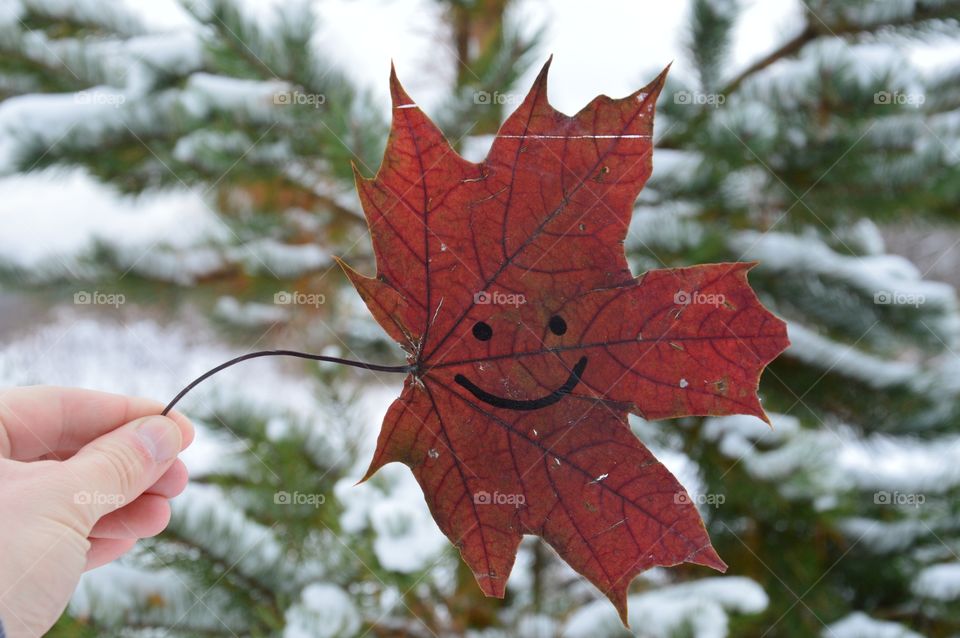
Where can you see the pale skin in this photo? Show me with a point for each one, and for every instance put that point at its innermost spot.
(83, 476)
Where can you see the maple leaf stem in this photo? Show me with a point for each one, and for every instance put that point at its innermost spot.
(282, 353)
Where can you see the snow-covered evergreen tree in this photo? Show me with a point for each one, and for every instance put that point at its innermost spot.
(846, 510)
(842, 520)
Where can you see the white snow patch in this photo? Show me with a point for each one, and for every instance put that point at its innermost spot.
(939, 582)
(901, 463)
(860, 625)
(407, 539)
(885, 537)
(324, 611)
(846, 360)
(700, 606)
(875, 276)
(250, 314)
(115, 592)
(280, 259)
(141, 357)
(56, 216)
(537, 626)
(205, 92)
(839, 460)
(47, 118)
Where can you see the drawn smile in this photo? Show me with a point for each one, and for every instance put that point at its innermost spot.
(528, 404)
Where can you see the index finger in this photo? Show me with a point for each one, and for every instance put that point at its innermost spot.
(39, 420)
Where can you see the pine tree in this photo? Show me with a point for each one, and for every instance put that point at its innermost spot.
(802, 161)
(841, 520)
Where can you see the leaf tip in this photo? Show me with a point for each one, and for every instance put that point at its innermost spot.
(539, 88)
(356, 278)
(344, 265)
(762, 415)
(708, 557)
(398, 95)
(653, 89)
(358, 177)
(379, 460)
(618, 597)
(367, 475)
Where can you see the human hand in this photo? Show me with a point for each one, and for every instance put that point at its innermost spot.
(83, 475)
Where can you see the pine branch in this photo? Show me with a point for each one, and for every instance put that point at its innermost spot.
(789, 48)
(241, 584)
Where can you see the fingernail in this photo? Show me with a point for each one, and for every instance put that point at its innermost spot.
(161, 436)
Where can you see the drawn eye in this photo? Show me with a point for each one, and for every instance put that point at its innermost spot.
(556, 324)
(482, 331)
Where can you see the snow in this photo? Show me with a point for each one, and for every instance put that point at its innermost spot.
(846, 360)
(736, 434)
(228, 535)
(42, 120)
(250, 314)
(142, 357)
(883, 537)
(169, 236)
(670, 226)
(177, 53)
(35, 237)
(838, 459)
(901, 463)
(117, 17)
(863, 236)
(868, 274)
(537, 626)
(700, 607)
(835, 462)
(138, 64)
(939, 582)
(324, 611)
(46, 119)
(679, 165)
(116, 593)
(192, 147)
(860, 625)
(874, 12)
(750, 120)
(406, 537)
(280, 259)
(205, 92)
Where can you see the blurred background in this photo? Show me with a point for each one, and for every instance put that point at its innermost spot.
(175, 180)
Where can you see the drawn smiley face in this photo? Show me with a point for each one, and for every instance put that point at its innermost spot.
(483, 332)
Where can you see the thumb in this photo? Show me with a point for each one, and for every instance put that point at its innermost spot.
(116, 468)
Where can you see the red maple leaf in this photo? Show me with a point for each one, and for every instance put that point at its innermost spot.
(530, 340)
